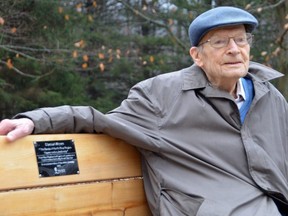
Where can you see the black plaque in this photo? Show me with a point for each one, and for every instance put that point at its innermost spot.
(56, 158)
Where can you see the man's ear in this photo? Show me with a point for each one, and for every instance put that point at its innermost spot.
(195, 53)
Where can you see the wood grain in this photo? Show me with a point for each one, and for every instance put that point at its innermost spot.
(109, 182)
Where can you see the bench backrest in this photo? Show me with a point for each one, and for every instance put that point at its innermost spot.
(108, 182)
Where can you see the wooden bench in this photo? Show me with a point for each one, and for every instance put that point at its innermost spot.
(109, 181)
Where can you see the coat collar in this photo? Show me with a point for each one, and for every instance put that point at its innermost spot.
(262, 73)
(195, 78)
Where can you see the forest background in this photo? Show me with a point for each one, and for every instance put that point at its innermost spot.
(91, 52)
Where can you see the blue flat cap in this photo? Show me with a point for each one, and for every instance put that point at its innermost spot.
(217, 17)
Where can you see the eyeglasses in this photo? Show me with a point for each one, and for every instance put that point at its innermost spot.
(220, 42)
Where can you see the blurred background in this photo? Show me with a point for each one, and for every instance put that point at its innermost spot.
(91, 52)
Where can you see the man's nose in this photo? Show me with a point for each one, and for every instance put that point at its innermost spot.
(232, 46)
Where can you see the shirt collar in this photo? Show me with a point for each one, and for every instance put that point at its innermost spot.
(240, 93)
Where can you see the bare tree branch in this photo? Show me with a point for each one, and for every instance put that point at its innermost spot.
(26, 74)
(269, 6)
(280, 39)
(18, 71)
(161, 24)
(17, 52)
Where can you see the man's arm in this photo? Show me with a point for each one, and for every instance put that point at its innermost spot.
(62, 119)
(135, 121)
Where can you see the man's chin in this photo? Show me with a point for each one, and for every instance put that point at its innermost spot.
(235, 75)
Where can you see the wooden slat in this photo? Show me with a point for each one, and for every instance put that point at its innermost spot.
(109, 182)
(106, 198)
(99, 157)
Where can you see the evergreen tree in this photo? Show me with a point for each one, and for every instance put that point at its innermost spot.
(91, 52)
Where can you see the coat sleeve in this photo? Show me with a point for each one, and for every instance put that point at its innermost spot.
(135, 120)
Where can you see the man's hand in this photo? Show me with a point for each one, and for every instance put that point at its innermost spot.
(16, 128)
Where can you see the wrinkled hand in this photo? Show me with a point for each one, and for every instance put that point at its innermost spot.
(16, 128)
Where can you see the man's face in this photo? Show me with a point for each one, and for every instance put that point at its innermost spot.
(226, 64)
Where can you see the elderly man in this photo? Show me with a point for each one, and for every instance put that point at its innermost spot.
(213, 136)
